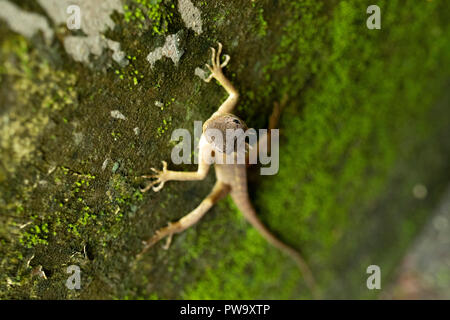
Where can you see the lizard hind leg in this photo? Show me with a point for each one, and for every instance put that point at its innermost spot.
(219, 191)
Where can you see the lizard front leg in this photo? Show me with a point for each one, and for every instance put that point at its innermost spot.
(216, 73)
(219, 191)
(162, 176)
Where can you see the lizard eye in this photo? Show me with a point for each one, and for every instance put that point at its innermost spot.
(236, 121)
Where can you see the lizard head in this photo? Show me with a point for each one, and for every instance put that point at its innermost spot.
(217, 129)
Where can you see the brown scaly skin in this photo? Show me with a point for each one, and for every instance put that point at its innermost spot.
(231, 178)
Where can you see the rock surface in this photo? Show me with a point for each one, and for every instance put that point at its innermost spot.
(365, 123)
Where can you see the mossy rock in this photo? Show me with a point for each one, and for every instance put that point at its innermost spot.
(366, 121)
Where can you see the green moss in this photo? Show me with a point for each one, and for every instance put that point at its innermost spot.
(164, 127)
(130, 73)
(157, 14)
(262, 28)
(34, 237)
(35, 78)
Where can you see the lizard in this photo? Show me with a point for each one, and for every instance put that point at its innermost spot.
(231, 178)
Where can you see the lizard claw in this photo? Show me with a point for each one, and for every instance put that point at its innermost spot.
(227, 59)
(166, 246)
(159, 234)
(160, 177)
(158, 188)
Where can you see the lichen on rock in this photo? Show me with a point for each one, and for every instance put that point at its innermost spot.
(25, 23)
(171, 49)
(191, 15)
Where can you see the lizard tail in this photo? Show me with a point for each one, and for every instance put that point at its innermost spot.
(245, 206)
